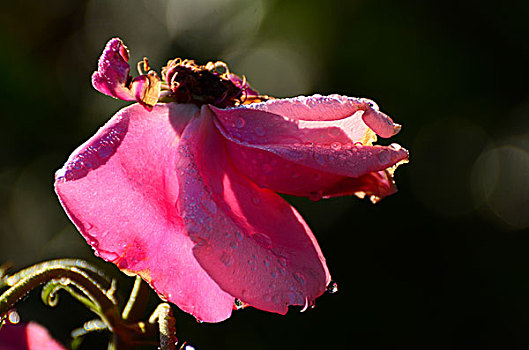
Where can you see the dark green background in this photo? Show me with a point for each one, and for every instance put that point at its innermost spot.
(442, 264)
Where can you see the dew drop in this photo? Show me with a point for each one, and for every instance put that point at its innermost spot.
(240, 122)
(13, 317)
(226, 259)
(332, 287)
(260, 131)
(306, 306)
(108, 255)
(315, 196)
(104, 151)
(234, 245)
(384, 157)
(209, 205)
(336, 146)
(238, 305)
(273, 274)
(395, 147)
(239, 235)
(299, 278)
(282, 261)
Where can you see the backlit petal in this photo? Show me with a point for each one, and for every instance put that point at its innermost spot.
(250, 241)
(304, 156)
(120, 189)
(112, 72)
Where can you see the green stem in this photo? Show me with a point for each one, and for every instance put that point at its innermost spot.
(25, 284)
(137, 301)
(8, 281)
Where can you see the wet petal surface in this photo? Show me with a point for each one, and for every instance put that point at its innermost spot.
(121, 190)
(112, 74)
(297, 154)
(251, 242)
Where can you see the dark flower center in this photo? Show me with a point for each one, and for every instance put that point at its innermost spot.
(207, 84)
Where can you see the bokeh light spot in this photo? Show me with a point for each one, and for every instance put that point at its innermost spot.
(500, 180)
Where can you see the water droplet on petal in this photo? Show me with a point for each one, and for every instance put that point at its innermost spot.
(315, 196)
(209, 205)
(260, 131)
(226, 259)
(395, 147)
(336, 146)
(240, 122)
(282, 261)
(306, 306)
(234, 245)
(273, 274)
(299, 278)
(104, 151)
(332, 287)
(13, 317)
(384, 157)
(238, 304)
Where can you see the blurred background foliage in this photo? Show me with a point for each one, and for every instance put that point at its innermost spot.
(442, 264)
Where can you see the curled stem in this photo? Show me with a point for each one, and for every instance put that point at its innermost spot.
(10, 280)
(104, 306)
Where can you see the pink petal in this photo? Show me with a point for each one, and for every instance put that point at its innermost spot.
(380, 123)
(27, 336)
(121, 189)
(271, 171)
(301, 157)
(112, 75)
(249, 240)
(331, 108)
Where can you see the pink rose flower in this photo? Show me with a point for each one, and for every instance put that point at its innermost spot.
(184, 194)
(27, 336)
